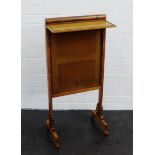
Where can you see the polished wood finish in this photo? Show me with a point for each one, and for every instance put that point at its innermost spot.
(50, 120)
(75, 50)
(75, 64)
(79, 26)
(98, 114)
(101, 121)
(80, 90)
(75, 18)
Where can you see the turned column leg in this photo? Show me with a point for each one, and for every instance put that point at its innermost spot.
(99, 107)
(50, 124)
(98, 113)
(50, 120)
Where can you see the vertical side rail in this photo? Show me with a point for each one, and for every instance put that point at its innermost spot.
(48, 50)
(98, 114)
(99, 109)
(50, 121)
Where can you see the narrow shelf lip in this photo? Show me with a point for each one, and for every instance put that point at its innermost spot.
(75, 18)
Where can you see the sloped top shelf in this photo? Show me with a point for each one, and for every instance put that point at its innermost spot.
(78, 25)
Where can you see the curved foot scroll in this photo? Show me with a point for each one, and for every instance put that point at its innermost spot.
(101, 122)
(53, 133)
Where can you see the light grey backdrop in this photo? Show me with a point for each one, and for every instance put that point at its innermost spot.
(118, 67)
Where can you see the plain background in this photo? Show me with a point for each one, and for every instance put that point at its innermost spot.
(118, 66)
(144, 75)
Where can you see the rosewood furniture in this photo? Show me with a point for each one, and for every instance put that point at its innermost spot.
(75, 50)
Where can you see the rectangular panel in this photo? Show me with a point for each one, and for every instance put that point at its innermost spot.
(75, 60)
(76, 74)
(79, 26)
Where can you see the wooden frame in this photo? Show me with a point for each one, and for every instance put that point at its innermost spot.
(95, 23)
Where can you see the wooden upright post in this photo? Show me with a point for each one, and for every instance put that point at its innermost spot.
(98, 114)
(50, 120)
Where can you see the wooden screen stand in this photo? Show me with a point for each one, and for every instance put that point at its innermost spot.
(75, 51)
